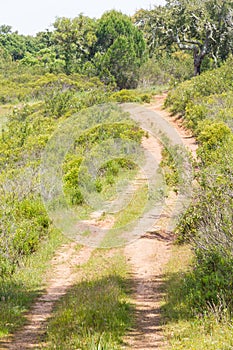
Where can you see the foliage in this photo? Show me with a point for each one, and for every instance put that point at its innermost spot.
(209, 217)
(205, 103)
(19, 291)
(108, 172)
(211, 136)
(17, 45)
(24, 222)
(212, 326)
(23, 225)
(217, 81)
(205, 28)
(25, 87)
(216, 107)
(166, 69)
(208, 285)
(111, 48)
(73, 40)
(119, 50)
(170, 168)
(130, 96)
(45, 58)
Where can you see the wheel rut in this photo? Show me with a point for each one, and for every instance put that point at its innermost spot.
(149, 255)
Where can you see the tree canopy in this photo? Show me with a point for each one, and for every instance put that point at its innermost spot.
(74, 39)
(203, 27)
(116, 46)
(120, 49)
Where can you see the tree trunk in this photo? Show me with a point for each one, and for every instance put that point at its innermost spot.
(198, 57)
(197, 68)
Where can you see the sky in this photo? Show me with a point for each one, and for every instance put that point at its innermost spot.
(32, 16)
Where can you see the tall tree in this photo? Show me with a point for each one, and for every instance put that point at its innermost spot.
(12, 42)
(74, 39)
(120, 49)
(204, 27)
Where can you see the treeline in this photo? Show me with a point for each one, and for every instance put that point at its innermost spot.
(124, 51)
(111, 48)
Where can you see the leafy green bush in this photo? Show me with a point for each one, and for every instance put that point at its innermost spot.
(59, 103)
(22, 226)
(100, 133)
(210, 283)
(75, 170)
(166, 70)
(187, 226)
(211, 136)
(130, 96)
(170, 168)
(71, 179)
(28, 86)
(216, 81)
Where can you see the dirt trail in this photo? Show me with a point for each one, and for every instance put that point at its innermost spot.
(63, 276)
(186, 136)
(149, 255)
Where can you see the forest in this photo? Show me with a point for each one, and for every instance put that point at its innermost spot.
(80, 75)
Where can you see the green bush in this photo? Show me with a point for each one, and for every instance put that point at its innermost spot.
(130, 96)
(210, 284)
(187, 227)
(216, 81)
(216, 107)
(213, 139)
(22, 227)
(211, 135)
(59, 103)
(75, 171)
(170, 167)
(166, 70)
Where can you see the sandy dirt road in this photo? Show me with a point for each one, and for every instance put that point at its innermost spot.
(147, 256)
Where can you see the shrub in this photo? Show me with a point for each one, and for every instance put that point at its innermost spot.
(23, 224)
(215, 81)
(164, 70)
(210, 284)
(205, 102)
(130, 96)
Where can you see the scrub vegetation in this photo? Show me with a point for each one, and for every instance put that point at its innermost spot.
(183, 47)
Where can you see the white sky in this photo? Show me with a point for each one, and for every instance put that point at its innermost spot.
(32, 16)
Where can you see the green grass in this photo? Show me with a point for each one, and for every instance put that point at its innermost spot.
(110, 190)
(128, 215)
(134, 209)
(210, 331)
(19, 292)
(96, 312)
